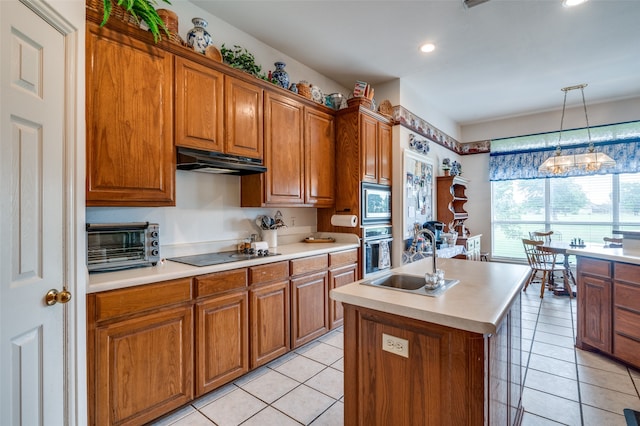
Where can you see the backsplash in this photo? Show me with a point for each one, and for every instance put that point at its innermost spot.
(207, 215)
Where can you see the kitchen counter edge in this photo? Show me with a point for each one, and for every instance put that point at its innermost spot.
(608, 253)
(169, 270)
(485, 294)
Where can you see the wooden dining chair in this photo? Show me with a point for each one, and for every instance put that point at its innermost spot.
(545, 236)
(545, 263)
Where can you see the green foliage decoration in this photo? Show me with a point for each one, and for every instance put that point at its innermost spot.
(240, 58)
(141, 10)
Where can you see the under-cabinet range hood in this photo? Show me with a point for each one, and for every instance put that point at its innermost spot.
(214, 162)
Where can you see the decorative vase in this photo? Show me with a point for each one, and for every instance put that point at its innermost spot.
(198, 38)
(280, 75)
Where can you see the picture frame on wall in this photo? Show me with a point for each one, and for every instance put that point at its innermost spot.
(418, 200)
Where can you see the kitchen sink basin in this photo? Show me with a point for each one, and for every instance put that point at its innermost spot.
(409, 283)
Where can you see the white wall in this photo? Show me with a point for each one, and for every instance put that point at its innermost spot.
(549, 121)
(208, 206)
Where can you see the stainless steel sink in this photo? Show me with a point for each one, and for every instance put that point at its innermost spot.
(410, 284)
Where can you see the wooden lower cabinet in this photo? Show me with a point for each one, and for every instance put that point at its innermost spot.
(594, 304)
(221, 328)
(450, 377)
(270, 312)
(608, 298)
(343, 270)
(309, 297)
(140, 358)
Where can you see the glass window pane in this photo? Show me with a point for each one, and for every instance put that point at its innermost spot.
(518, 200)
(584, 199)
(629, 200)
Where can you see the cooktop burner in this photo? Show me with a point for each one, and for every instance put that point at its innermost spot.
(208, 259)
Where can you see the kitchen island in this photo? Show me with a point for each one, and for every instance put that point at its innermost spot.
(608, 297)
(448, 360)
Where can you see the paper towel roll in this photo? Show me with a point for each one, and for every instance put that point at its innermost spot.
(346, 220)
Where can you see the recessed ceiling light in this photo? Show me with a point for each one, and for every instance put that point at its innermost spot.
(427, 47)
(569, 3)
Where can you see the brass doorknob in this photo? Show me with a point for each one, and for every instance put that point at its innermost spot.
(54, 296)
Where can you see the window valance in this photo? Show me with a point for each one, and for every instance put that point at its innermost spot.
(520, 157)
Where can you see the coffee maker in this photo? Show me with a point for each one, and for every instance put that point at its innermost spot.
(437, 228)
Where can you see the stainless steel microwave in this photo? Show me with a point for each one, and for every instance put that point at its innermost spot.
(376, 204)
(113, 246)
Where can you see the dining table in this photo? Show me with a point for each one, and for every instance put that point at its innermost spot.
(560, 248)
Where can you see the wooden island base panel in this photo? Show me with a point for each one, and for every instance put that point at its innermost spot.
(608, 299)
(412, 360)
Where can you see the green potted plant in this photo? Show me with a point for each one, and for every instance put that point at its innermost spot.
(240, 58)
(141, 10)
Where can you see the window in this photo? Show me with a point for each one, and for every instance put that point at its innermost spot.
(586, 207)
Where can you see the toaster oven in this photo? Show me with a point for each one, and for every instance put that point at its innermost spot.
(113, 246)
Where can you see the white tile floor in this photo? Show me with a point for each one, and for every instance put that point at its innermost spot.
(562, 385)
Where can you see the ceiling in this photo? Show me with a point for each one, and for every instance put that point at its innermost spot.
(498, 59)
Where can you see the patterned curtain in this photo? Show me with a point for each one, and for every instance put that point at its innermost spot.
(519, 158)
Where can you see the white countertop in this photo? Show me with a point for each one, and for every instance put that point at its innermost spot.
(477, 303)
(168, 270)
(599, 251)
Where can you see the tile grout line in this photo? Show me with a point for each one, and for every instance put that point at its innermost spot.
(575, 356)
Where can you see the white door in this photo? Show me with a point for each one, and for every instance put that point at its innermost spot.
(33, 371)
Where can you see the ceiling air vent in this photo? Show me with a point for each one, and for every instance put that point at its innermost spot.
(472, 3)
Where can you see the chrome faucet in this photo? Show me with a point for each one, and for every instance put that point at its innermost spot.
(417, 232)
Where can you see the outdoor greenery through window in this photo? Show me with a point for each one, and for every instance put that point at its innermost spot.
(586, 207)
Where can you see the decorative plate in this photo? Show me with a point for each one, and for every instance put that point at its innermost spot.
(316, 94)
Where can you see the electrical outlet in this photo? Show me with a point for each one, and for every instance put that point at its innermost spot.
(293, 221)
(395, 345)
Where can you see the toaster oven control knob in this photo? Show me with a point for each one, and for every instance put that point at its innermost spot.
(154, 234)
(154, 252)
(154, 243)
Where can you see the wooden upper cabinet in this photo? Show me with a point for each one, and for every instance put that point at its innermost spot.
(376, 150)
(284, 150)
(299, 153)
(129, 118)
(385, 166)
(243, 118)
(369, 143)
(199, 109)
(320, 152)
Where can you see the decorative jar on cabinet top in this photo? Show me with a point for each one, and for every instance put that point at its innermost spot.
(280, 75)
(198, 38)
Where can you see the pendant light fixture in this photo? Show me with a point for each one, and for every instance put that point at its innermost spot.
(590, 161)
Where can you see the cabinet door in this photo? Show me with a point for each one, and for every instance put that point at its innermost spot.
(269, 319)
(319, 148)
(309, 313)
(369, 145)
(243, 118)
(199, 106)
(129, 117)
(144, 366)
(284, 150)
(385, 162)
(337, 278)
(222, 340)
(594, 312)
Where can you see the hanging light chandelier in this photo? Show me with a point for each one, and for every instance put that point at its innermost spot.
(589, 161)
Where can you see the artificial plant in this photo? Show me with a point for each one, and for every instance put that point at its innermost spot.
(141, 10)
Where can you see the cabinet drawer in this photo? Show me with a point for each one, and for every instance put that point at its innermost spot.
(626, 322)
(269, 272)
(594, 267)
(627, 296)
(112, 304)
(628, 273)
(626, 349)
(343, 257)
(309, 264)
(220, 281)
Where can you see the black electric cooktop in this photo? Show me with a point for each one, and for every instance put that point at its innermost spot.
(208, 259)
